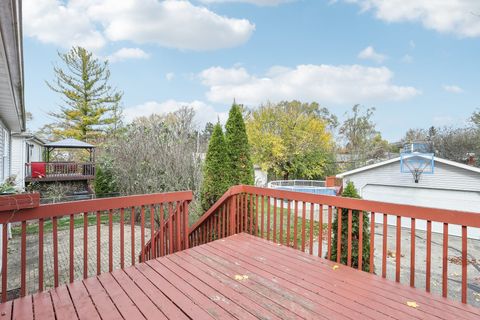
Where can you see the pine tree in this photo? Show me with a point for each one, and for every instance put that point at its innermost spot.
(238, 148)
(215, 170)
(351, 192)
(91, 104)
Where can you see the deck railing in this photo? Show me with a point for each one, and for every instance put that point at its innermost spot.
(59, 170)
(305, 222)
(66, 241)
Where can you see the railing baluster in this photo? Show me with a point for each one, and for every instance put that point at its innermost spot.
(245, 212)
(99, 241)
(162, 227)
(372, 242)
(23, 253)
(281, 222)
(349, 238)
(4, 261)
(398, 251)
(289, 211)
(40, 254)
(152, 232)
(429, 256)
(320, 230)
(132, 234)
(233, 209)
(304, 213)
(274, 219)
(122, 238)
(464, 264)
(329, 233)
(185, 225)
(72, 245)
(170, 229)
(85, 245)
(360, 240)
(142, 233)
(412, 252)
(312, 207)
(257, 230)
(445, 261)
(339, 234)
(384, 247)
(178, 221)
(295, 225)
(268, 218)
(263, 218)
(55, 252)
(250, 203)
(110, 241)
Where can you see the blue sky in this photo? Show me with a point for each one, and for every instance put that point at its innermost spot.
(416, 62)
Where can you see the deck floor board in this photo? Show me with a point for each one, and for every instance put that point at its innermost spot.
(239, 277)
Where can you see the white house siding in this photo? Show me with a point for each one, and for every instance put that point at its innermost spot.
(449, 187)
(19, 156)
(4, 152)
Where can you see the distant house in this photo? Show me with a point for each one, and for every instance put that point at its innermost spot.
(26, 148)
(453, 186)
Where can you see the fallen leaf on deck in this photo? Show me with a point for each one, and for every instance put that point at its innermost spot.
(412, 304)
(240, 277)
(335, 267)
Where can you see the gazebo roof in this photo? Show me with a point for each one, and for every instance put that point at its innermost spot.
(70, 143)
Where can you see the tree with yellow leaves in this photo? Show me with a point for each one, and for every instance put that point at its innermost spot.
(90, 105)
(291, 139)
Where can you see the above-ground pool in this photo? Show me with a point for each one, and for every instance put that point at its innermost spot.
(307, 186)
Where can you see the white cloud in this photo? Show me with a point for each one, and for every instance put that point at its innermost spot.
(344, 84)
(452, 89)
(51, 21)
(407, 58)
(203, 112)
(369, 53)
(128, 53)
(173, 23)
(169, 76)
(447, 16)
(256, 2)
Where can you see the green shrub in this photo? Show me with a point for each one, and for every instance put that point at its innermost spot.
(351, 192)
(105, 182)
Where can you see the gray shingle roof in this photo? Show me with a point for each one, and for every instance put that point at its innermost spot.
(69, 143)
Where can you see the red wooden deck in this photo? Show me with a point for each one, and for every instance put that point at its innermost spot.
(241, 277)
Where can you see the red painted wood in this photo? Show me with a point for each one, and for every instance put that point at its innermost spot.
(22, 308)
(110, 241)
(372, 242)
(104, 305)
(384, 247)
(40, 255)
(268, 218)
(360, 240)
(349, 238)
(262, 231)
(142, 233)
(43, 308)
(23, 262)
(310, 248)
(161, 230)
(304, 213)
(170, 228)
(55, 252)
(398, 248)
(62, 303)
(185, 225)
(320, 231)
(339, 234)
(85, 245)
(295, 225)
(445, 261)
(429, 256)
(99, 242)
(329, 233)
(464, 264)
(274, 220)
(72, 245)
(122, 238)
(412, 252)
(152, 232)
(251, 204)
(83, 303)
(132, 233)
(289, 212)
(178, 227)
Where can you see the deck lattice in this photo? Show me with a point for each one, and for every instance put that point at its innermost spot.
(239, 277)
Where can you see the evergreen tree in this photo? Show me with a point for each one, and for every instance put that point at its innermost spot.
(91, 104)
(238, 149)
(215, 170)
(351, 192)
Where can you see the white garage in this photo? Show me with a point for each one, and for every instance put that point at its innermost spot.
(452, 186)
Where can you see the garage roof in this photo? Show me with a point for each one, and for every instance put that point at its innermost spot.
(383, 163)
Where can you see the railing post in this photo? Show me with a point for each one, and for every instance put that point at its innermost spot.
(186, 230)
(233, 209)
